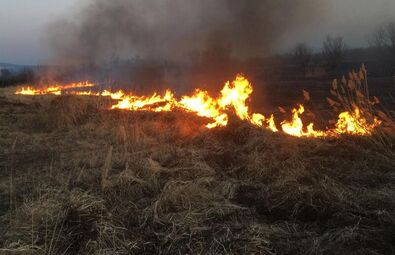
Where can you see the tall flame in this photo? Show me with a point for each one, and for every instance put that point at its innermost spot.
(233, 98)
(235, 95)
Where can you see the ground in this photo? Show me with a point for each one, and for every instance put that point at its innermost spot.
(78, 179)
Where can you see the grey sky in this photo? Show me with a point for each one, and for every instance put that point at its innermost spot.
(23, 25)
(352, 19)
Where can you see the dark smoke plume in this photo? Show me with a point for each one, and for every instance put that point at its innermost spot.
(176, 29)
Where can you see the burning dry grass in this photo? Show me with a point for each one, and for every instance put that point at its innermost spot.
(112, 182)
(356, 119)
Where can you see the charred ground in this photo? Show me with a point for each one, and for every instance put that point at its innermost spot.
(78, 179)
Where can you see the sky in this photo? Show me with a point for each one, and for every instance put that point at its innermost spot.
(24, 23)
(352, 19)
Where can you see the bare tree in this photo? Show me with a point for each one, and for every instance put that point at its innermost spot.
(384, 37)
(378, 38)
(380, 45)
(5, 73)
(383, 42)
(390, 32)
(302, 56)
(333, 52)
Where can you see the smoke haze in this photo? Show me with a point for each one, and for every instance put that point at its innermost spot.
(175, 29)
(191, 24)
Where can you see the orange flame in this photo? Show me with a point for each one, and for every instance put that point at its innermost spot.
(296, 126)
(233, 97)
(355, 124)
(54, 89)
(204, 106)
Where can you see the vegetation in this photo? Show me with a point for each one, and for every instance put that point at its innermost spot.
(384, 38)
(302, 56)
(333, 52)
(7, 78)
(382, 41)
(78, 179)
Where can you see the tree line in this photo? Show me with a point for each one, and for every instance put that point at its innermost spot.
(381, 45)
(8, 78)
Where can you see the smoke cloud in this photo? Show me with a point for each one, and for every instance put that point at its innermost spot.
(176, 29)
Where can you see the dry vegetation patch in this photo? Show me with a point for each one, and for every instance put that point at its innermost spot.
(89, 181)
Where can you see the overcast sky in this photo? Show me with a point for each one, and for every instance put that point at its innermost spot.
(352, 19)
(23, 25)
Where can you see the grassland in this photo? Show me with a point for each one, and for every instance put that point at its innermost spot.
(77, 179)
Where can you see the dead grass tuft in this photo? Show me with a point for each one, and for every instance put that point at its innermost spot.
(66, 112)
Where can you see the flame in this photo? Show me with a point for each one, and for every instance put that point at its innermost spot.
(155, 103)
(296, 126)
(235, 95)
(27, 91)
(272, 124)
(54, 89)
(260, 120)
(205, 106)
(233, 98)
(355, 124)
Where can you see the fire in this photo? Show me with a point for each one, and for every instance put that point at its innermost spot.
(355, 124)
(54, 89)
(261, 121)
(234, 97)
(205, 106)
(296, 126)
(27, 91)
(155, 103)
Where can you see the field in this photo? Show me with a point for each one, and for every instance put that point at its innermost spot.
(78, 179)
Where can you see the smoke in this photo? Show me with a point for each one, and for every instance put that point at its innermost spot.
(176, 29)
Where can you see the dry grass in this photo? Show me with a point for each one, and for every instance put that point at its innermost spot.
(353, 92)
(109, 182)
(66, 112)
